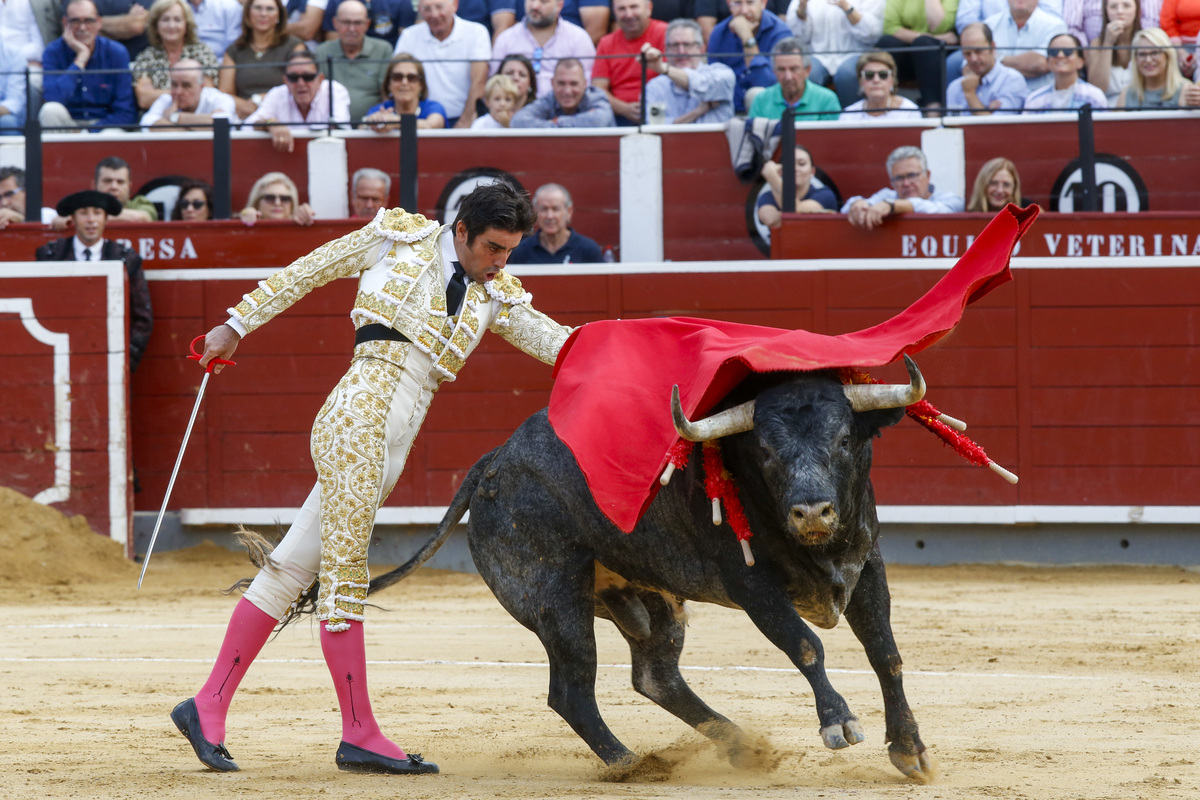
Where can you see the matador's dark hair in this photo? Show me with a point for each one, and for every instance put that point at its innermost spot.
(496, 205)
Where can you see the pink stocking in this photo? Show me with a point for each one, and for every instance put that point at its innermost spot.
(346, 657)
(248, 630)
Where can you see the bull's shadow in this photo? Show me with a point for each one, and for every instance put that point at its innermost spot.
(799, 448)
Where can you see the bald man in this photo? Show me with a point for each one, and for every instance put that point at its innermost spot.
(190, 104)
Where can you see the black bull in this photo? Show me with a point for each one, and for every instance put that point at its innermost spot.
(554, 561)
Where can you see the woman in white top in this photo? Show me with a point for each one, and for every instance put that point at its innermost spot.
(1109, 60)
(877, 83)
(1065, 55)
(835, 32)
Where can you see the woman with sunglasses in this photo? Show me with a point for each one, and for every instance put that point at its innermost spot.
(1065, 54)
(1110, 60)
(877, 83)
(404, 92)
(996, 185)
(833, 31)
(1157, 81)
(171, 29)
(274, 197)
(254, 64)
(194, 203)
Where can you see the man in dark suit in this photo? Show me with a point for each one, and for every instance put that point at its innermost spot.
(90, 210)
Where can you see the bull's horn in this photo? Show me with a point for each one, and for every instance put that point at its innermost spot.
(738, 419)
(871, 396)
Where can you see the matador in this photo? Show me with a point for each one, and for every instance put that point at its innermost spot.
(426, 294)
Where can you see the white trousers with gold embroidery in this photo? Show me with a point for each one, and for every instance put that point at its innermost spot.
(360, 443)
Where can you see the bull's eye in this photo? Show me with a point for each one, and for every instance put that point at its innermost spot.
(845, 442)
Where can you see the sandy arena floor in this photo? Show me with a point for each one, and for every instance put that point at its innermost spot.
(1034, 683)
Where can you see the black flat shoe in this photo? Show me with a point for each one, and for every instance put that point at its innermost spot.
(354, 759)
(214, 756)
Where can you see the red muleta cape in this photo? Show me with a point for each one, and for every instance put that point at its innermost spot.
(611, 402)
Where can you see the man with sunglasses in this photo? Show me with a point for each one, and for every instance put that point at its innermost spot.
(545, 36)
(910, 193)
(301, 103)
(87, 82)
(986, 85)
(190, 105)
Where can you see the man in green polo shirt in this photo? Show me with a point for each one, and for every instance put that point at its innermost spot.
(354, 60)
(794, 90)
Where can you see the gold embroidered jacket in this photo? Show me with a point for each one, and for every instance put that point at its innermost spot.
(402, 285)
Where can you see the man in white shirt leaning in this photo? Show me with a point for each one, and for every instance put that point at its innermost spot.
(190, 105)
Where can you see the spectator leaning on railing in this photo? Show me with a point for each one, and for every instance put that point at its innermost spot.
(688, 89)
(1068, 91)
(812, 196)
(793, 92)
(986, 86)
(302, 103)
(835, 31)
(189, 104)
(274, 197)
(87, 82)
(571, 104)
(910, 193)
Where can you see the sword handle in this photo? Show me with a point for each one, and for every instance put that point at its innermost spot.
(197, 356)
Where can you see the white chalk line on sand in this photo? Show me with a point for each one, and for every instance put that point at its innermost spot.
(222, 625)
(437, 662)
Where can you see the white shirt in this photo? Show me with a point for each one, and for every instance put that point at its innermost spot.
(827, 33)
(80, 248)
(218, 23)
(295, 16)
(857, 112)
(449, 82)
(19, 29)
(212, 101)
(278, 104)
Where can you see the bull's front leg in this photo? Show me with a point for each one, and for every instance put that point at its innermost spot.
(768, 606)
(869, 613)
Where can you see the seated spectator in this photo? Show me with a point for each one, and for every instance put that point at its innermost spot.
(618, 69)
(910, 193)
(834, 31)
(194, 203)
(459, 51)
(1068, 91)
(27, 30)
(546, 37)
(354, 59)
(172, 32)
(748, 33)
(114, 177)
(708, 13)
(218, 23)
(996, 185)
(254, 64)
(12, 91)
(189, 105)
(502, 99)
(302, 103)
(554, 241)
(89, 212)
(912, 32)
(877, 84)
(304, 18)
(12, 198)
(1085, 18)
(369, 192)
(404, 91)
(1110, 59)
(1021, 34)
(794, 92)
(389, 18)
(81, 91)
(688, 88)
(520, 69)
(125, 21)
(1157, 82)
(571, 104)
(1180, 21)
(812, 196)
(274, 197)
(985, 86)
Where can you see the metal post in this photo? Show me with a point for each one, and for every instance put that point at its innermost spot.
(1087, 162)
(222, 169)
(33, 158)
(941, 73)
(642, 58)
(408, 162)
(787, 157)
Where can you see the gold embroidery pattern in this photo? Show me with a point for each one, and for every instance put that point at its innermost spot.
(532, 332)
(348, 449)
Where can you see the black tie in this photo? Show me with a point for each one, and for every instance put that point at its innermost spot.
(456, 289)
(87, 254)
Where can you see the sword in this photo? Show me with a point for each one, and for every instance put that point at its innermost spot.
(183, 447)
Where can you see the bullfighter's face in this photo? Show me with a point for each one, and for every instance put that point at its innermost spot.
(487, 254)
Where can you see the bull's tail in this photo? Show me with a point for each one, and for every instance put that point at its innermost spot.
(458, 507)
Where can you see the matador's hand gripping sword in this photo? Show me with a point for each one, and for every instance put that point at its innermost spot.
(179, 459)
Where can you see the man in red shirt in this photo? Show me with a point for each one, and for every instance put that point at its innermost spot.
(621, 78)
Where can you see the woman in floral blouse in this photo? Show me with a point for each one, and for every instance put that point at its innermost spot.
(171, 28)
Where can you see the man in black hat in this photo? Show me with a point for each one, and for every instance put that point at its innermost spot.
(90, 210)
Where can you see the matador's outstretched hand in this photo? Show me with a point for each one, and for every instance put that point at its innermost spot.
(220, 342)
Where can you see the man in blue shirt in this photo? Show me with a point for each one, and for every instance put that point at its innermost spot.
(910, 193)
(740, 43)
(554, 241)
(985, 86)
(87, 82)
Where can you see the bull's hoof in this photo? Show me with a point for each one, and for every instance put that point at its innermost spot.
(919, 768)
(843, 734)
(647, 769)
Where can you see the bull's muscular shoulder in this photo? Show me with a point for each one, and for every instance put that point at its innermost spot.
(401, 226)
(508, 289)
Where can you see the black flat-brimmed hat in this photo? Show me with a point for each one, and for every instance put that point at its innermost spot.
(88, 198)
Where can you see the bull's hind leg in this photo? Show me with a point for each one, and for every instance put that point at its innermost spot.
(656, 675)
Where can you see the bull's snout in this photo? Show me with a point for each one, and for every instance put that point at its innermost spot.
(814, 521)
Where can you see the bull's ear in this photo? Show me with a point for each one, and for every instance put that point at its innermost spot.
(870, 423)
